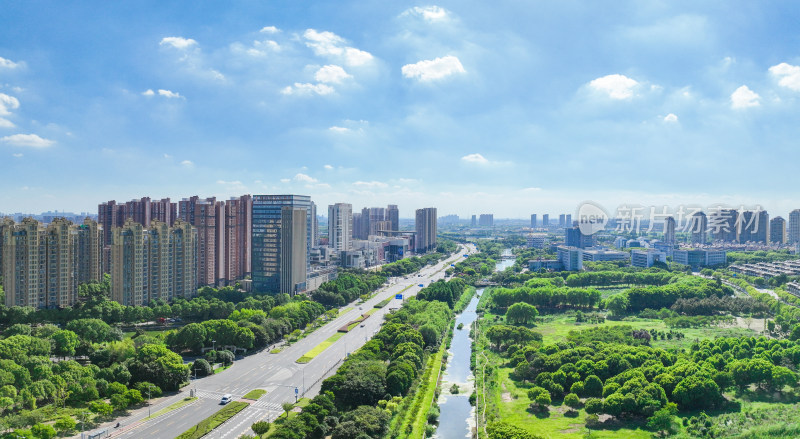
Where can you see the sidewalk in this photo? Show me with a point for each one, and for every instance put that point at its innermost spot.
(135, 417)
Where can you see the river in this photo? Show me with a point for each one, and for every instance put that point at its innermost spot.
(456, 415)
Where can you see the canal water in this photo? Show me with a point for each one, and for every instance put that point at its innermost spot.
(456, 415)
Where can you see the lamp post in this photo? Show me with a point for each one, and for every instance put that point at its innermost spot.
(214, 345)
(149, 386)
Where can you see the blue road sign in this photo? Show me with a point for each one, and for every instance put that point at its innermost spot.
(399, 296)
(296, 391)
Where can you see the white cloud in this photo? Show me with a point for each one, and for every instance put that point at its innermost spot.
(269, 30)
(429, 13)
(371, 184)
(475, 158)
(743, 97)
(285, 180)
(331, 45)
(169, 94)
(7, 103)
(306, 89)
(431, 69)
(336, 129)
(7, 64)
(178, 42)
(787, 74)
(532, 189)
(5, 123)
(304, 178)
(187, 163)
(17, 154)
(616, 86)
(328, 167)
(260, 48)
(27, 140)
(671, 118)
(167, 156)
(148, 92)
(331, 74)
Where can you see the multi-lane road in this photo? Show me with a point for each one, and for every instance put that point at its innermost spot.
(278, 374)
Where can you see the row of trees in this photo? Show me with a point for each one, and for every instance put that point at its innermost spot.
(637, 299)
(546, 297)
(348, 286)
(355, 402)
(621, 277)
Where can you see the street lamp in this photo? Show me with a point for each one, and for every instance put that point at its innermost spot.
(149, 386)
(214, 345)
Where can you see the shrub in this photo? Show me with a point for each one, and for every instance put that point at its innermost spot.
(260, 427)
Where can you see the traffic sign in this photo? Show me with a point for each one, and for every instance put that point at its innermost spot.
(296, 391)
(399, 296)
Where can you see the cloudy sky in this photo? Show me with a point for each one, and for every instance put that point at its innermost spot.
(510, 107)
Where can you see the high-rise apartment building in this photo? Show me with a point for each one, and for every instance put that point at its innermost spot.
(340, 226)
(669, 230)
(360, 225)
(314, 225)
(533, 221)
(474, 221)
(568, 221)
(267, 237)
(562, 220)
(777, 230)
(207, 216)
(43, 266)
(486, 220)
(236, 246)
(425, 225)
(546, 220)
(574, 237)
(698, 226)
(794, 226)
(223, 237)
(723, 226)
(753, 226)
(393, 216)
(294, 249)
(154, 263)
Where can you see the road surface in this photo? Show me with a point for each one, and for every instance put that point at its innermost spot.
(279, 374)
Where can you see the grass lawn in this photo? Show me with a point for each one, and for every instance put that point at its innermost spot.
(209, 424)
(370, 312)
(316, 350)
(509, 402)
(255, 394)
(556, 327)
(222, 368)
(177, 405)
(352, 326)
(345, 311)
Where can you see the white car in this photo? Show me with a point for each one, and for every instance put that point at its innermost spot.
(226, 399)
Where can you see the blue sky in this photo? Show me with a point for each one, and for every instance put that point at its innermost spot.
(510, 107)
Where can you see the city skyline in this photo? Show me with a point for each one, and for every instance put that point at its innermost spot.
(470, 108)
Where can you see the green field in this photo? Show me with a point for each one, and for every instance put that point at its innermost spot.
(310, 355)
(507, 400)
(556, 327)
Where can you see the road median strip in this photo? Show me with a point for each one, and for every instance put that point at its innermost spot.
(318, 349)
(209, 424)
(255, 394)
(185, 401)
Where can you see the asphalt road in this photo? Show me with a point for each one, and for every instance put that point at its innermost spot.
(278, 374)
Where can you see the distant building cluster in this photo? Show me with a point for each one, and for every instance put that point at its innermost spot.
(768, 269)
(160, 249)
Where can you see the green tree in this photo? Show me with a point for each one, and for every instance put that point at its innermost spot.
(618, 304)
(260, 427)
(521, 313)
(65, 424)
(43, 431)
(101, 408)
(663, 420)
(572, 401)
(64, 343)
(287, 407)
